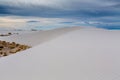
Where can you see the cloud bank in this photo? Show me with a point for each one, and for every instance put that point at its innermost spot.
(105, 12)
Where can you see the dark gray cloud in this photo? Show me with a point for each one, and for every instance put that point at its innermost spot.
(4, 9)
(75, 9)
(32, 21)
(88, 10)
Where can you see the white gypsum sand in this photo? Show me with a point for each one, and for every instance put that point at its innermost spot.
(27, 39)
(33, 38)
(83, 54)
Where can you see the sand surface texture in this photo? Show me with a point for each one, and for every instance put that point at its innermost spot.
(83, 54)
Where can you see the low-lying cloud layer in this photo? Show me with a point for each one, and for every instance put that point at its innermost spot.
(100, 13)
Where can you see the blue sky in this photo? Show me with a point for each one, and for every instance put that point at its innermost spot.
(99, 13)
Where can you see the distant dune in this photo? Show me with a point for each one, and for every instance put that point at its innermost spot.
(33, 38)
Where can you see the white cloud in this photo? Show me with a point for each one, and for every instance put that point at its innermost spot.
(21, 22)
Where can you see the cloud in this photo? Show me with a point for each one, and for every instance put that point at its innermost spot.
(19, 22)
(57, 8)
(3, 10)
(101, 11)
(32, 21)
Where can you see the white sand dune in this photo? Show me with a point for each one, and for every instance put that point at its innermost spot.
(83, 54)
(35, 38)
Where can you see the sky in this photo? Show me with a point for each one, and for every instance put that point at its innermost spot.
(58, 13)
